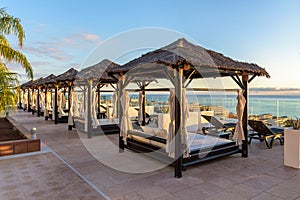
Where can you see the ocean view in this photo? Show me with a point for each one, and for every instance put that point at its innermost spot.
(277, 105)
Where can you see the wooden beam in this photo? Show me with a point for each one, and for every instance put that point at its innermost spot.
(46, 102)
(38, 102)
(28, 100)
(55, 109)
(245, 117)
(98, 103)
(120, 113)
(89, 109)
(178, 121)
(238, 81)
(187, 89)
(251, 79)
(144, 105)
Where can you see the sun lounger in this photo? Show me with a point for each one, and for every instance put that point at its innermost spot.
(265, 133)
(218, 125)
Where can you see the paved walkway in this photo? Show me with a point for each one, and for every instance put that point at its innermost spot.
(72, 170)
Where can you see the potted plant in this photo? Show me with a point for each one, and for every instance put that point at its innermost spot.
(292, 144)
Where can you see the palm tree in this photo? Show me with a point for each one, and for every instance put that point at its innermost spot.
(10, 25)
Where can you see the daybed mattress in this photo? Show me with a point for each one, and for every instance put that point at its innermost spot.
(197, 142)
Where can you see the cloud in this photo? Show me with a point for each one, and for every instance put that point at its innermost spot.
(273, 89)
(63, 49)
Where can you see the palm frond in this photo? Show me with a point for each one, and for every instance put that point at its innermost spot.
(11, 25)
(12, 55)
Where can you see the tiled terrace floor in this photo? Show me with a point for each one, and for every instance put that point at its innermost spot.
(49, 176)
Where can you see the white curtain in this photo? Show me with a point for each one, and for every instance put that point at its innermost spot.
(75, 103)
(185, 116)
(125, 121)
(70, 114)
(170, 147)
(107, 110)
(33, 100)
(25, 100)
(239, 132)
(95, 121)
(42, 101)
(63, 100)
(48, 105)
(140, 113)
(199, 122)
(81, 104)
(53, 107)
(60, 102)
(114, 114)
(36, 101)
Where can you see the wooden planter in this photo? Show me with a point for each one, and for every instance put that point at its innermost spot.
(292, 148)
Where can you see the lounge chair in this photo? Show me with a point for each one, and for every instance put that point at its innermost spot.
(264, 133)
(218, 125)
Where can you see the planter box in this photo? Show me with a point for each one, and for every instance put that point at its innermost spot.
(292, 148)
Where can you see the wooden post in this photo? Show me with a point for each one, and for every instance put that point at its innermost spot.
(46, 101)
(32, 100)
(178, 121)
(69, 94)
(89, 109)
(55, 105)
(98, 103)
(23, 90)
(144, 105)
(120, 112)
(69, 103)
(245, 116)
(20, 104)
(38, 102)
(28, 100)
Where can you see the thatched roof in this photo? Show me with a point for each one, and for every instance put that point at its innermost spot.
(69, 75)
(36, 82)
(98, 72)
(47, 80)
(27, 84)
(206, 62)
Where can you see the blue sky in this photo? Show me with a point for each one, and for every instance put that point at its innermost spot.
(60, 34)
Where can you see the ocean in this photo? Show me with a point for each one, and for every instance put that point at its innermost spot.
(277, 105)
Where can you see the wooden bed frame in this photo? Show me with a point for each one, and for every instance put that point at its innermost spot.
(139, 142)
(112, 128)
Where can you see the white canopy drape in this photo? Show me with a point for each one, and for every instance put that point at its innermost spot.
(53, 107)
(95, 121)
(239, 132)
(199, 122)
(33, 100)
(48, 105)
(107, 109)
(140, 113)
(24, 100)
(81, 104)
(185, 116)
(60, 102)
(42, 101)
(75, 103)
(125, 121)
(71, 108)
(170, 147)
(114, 114)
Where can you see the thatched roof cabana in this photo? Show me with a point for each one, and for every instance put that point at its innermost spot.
(179, 62)
(98, 72)
(66, 77)
(205, 62)
(47, 80)
(26, 85)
